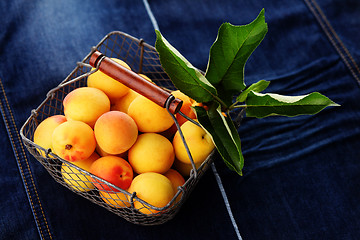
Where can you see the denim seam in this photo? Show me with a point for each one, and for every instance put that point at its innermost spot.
(151, 15)
(334, 39)
(226, 200)
(10, 124)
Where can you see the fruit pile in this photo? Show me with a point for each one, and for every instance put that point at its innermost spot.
(124, 138)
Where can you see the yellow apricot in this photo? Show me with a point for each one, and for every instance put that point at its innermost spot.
(198, 140)
(122, 104)
(86, 104)
(151, 152)
(43, 132)
(184, 168)
(115, 199)
(149, 116)
(153, 188)
(111, 87)
(77, 179)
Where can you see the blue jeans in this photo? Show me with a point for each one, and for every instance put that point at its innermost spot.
(301, 176)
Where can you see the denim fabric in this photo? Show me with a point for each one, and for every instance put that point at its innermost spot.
(302, 175)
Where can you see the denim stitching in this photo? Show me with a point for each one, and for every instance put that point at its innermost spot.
(151, 15)
(226, 200)
(331, 34)
(27, 163)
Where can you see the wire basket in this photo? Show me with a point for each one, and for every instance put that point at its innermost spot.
(142, 58)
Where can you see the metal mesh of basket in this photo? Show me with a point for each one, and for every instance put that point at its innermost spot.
(142, 58)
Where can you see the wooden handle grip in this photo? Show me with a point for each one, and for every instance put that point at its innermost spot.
(135, 82)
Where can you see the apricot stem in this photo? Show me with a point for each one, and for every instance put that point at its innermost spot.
(68, 146)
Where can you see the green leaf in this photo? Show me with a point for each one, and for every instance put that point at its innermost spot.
(262, 105)
(224, 78)
(184, 75)
(224, 135)
(256, 87)
(229, 53)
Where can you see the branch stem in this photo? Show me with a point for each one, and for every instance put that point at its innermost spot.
(239, 106)
(221, 102)
(233, 105)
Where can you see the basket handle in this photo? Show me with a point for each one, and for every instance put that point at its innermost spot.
(135, 82)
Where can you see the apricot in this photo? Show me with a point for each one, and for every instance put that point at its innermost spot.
(185, 108)
(198, 140)
(184, 168)
(86, 104)
(115, 132)
(73, 141)
(43, 132)
(170, 132)
(146, 77)
(176, 180)
(122, 104)
(153, 188)
(151, 153)
(115, 199)
(102, 153)
(111, 87)
(77, 179)
(114, 170)
(149, 116)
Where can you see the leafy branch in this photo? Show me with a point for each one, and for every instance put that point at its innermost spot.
(224, 79)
